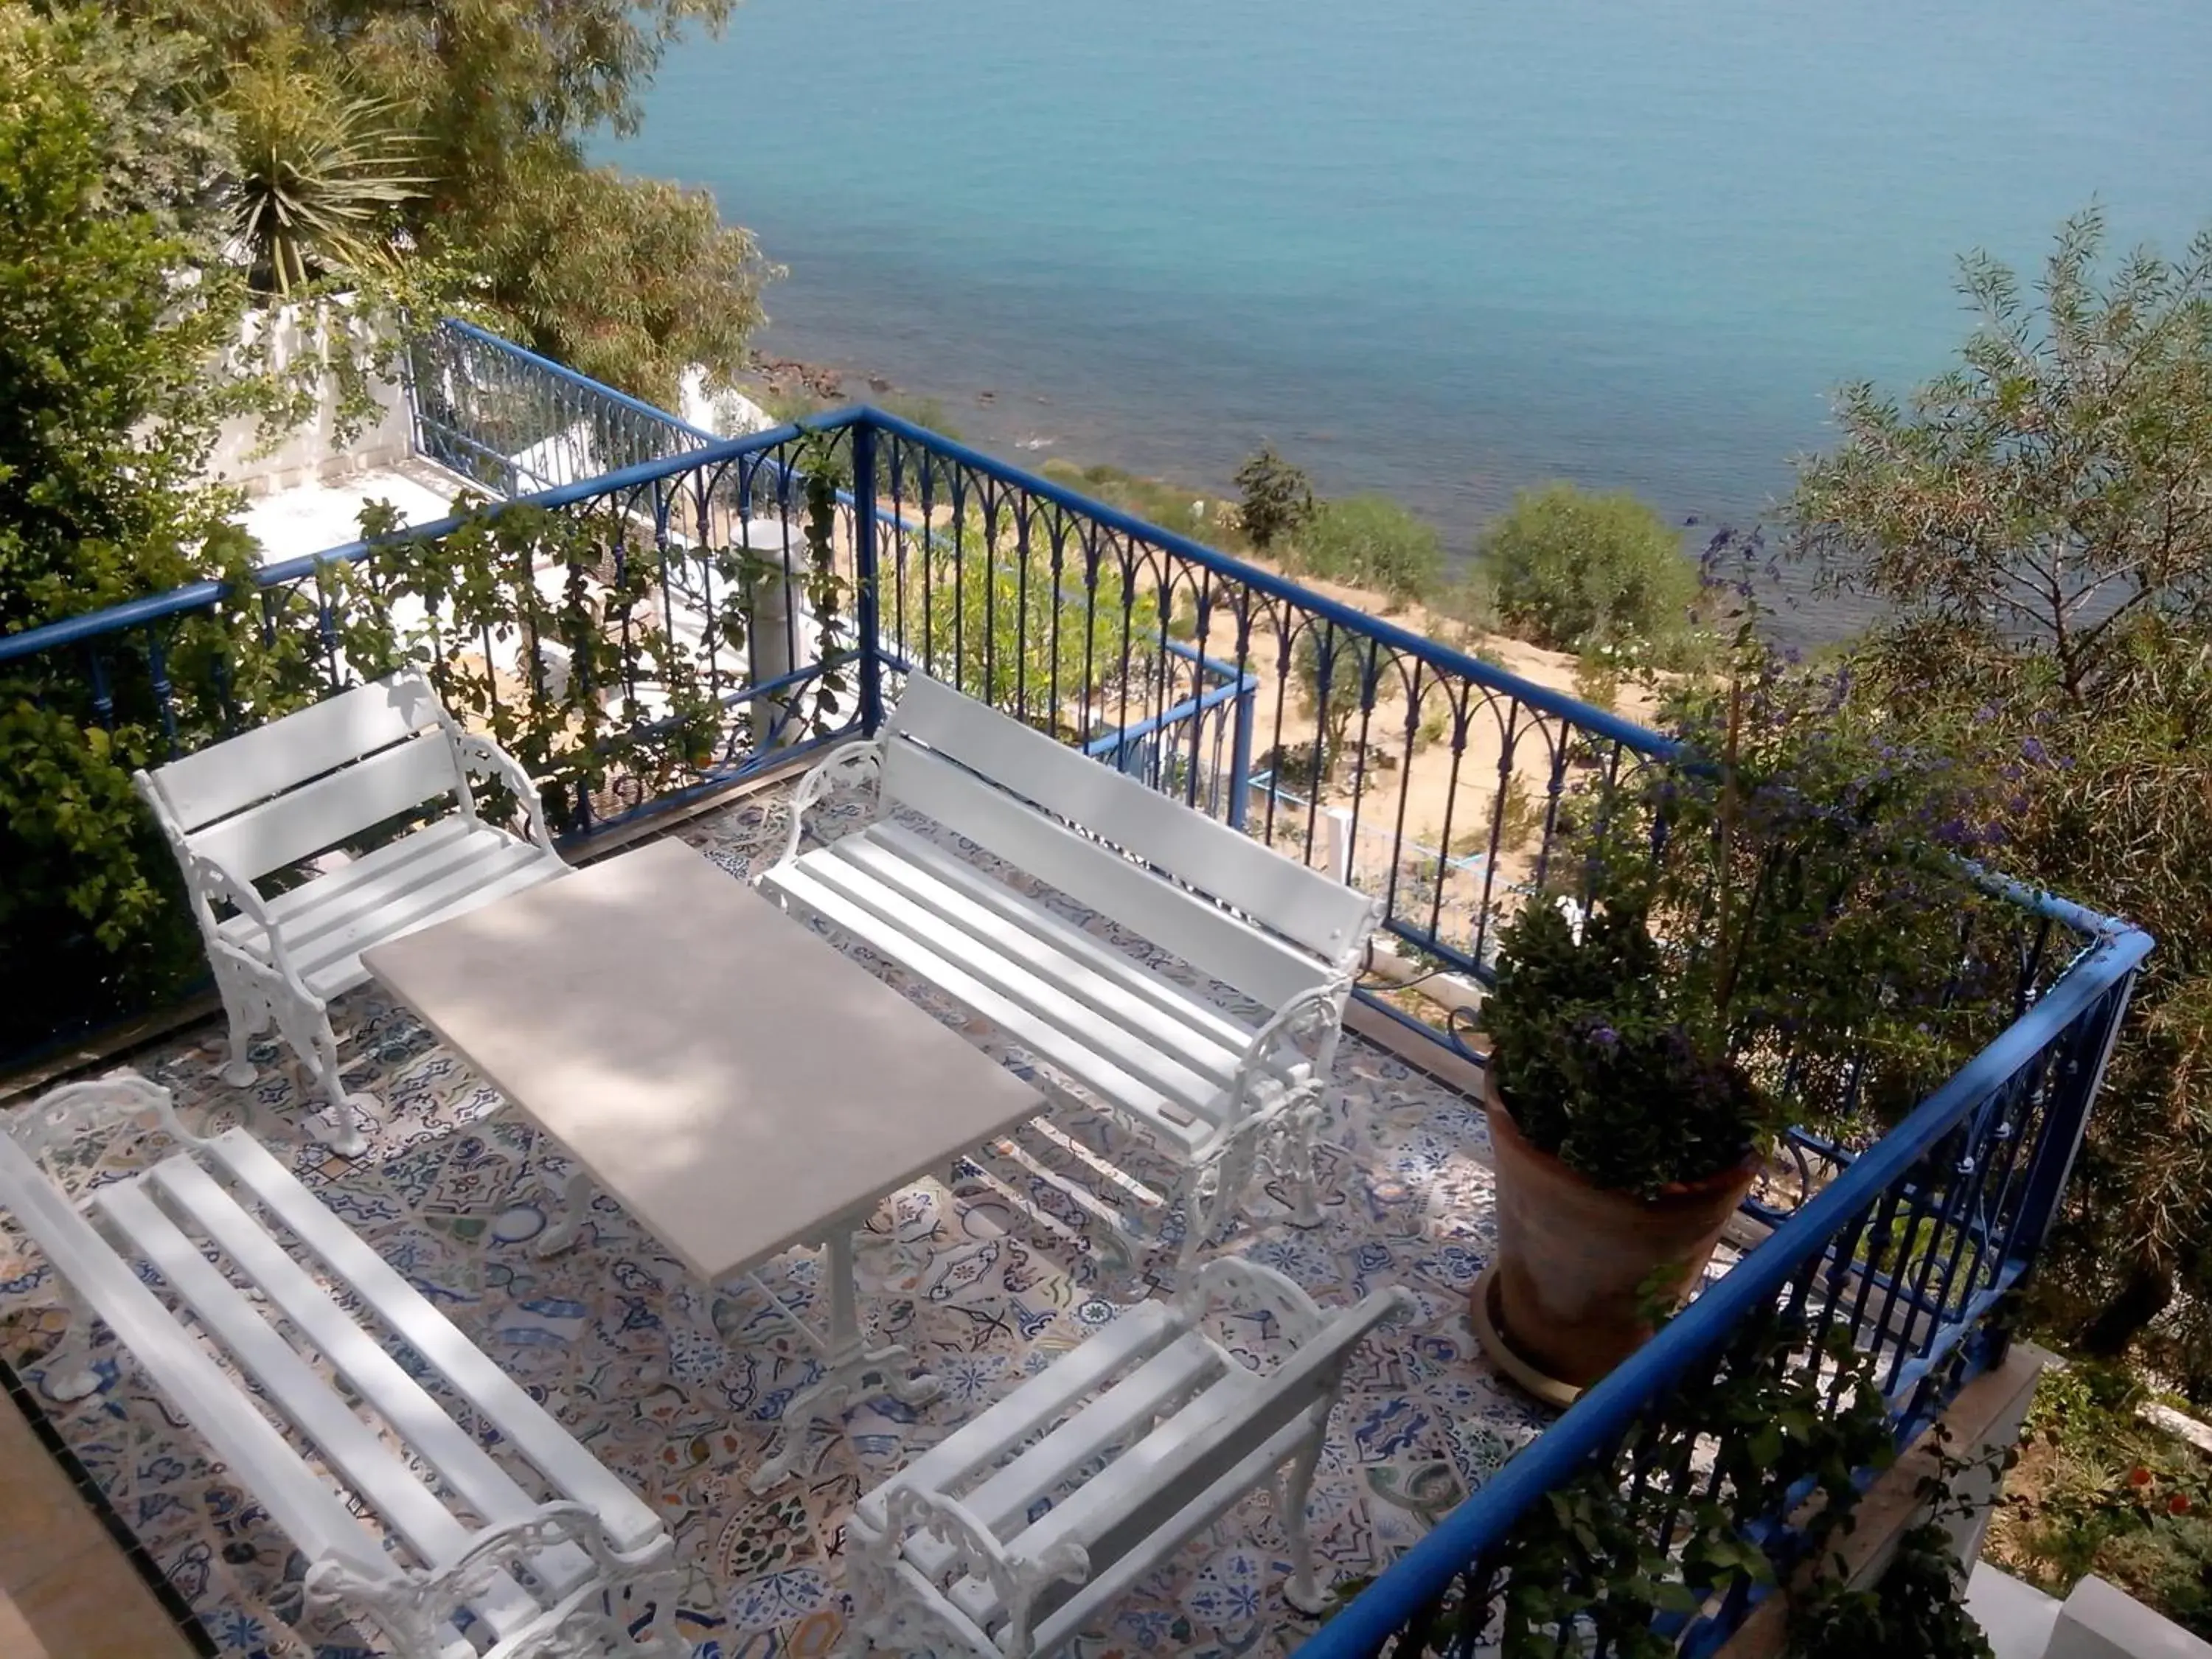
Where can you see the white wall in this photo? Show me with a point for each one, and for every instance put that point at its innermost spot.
(311, 453)
(2099, 1622)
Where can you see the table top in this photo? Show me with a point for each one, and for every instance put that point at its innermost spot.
(733, 1080)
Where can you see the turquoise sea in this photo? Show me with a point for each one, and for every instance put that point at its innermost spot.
(1440, 248)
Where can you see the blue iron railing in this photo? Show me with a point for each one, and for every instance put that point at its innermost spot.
(594, 618)
(1062, 610)
(621, 623)
(517, 423)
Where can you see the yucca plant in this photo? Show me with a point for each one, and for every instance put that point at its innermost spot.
(317, 170)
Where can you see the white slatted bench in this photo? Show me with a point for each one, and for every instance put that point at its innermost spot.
(1141, 1438)
(1226, 1099)
(479, 1565)
(261, 802)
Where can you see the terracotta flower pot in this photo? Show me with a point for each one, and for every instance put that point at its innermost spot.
(1578, 1268)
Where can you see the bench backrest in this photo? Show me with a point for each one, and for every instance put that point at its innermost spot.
(1305, 1384)
(1166, 1476)
(270, 797)
(988, 777)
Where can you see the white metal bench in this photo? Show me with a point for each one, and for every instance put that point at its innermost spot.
(263, 801)
(1137, 1440)
(475, 1564)
(1225, 1098)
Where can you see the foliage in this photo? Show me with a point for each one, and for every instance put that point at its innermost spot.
(627, 279)
(1572, 568)
(1735, 910)
(114, 400)
(1030, 635)
(1664, 1524)
(1917, 1606)
(632, 704)
(316, 172)
(1372, 541)
(1464, 609)
(2098, 1490)
(1275, 500)
(1604, 1059)
(159, 146)
(2035, 516)
(1515, 817)
(921, 410)
(2105, 800)
(1329, 674)
(1598, 673)
(2051, 486)
(1155, 501)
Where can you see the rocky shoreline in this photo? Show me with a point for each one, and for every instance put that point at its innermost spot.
(787, 377)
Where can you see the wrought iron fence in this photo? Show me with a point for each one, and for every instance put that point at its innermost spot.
(517, 423)
(704, 608)
(635, 639)
(1889, 1285)
(1084, 621)
(1884, 1279)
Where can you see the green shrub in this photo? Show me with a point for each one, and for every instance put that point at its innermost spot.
(1471, 603)
(1597, 679)
(2098, 1490)
(1275, 499)
(1573, 569)
(1370, 541)
(1155, 501)
(1332, 699)
(923, 411)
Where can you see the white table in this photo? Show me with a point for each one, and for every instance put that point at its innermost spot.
(731, 1080)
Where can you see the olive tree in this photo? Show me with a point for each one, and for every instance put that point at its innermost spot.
(2038, 521)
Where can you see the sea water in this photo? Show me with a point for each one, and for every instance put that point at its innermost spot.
(1438, 248)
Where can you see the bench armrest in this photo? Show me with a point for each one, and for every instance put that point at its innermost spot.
(479, 756)
(849, 763)
(208, 881)
(77, 1106)
(1016, 1580)
(1305, 1027)
(1230, 1283)
(413, 1606)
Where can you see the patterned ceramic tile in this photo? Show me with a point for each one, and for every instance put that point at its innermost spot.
(1023, 1248)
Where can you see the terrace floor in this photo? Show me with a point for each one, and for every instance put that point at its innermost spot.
(1011, 1258)
(318, 515)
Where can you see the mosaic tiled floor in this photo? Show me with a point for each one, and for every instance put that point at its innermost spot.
(1013, 1257)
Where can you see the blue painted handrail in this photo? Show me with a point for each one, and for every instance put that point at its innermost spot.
(1357, 622)
(597, 389)
(1598, 1420)
(201, 595)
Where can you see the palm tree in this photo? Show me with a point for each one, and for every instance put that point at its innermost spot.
(316, 171)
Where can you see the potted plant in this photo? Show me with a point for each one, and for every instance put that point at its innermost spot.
(1727, 949)
(1623, 1135)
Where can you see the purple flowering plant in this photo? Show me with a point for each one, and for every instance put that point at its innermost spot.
(1777, 930)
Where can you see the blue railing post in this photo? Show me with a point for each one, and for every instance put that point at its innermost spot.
(409, 377)
(2084, 1060)
(868, 611)
(1240, 750)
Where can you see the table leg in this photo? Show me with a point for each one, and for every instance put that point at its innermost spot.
(851, 1370)
(567, 1219)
